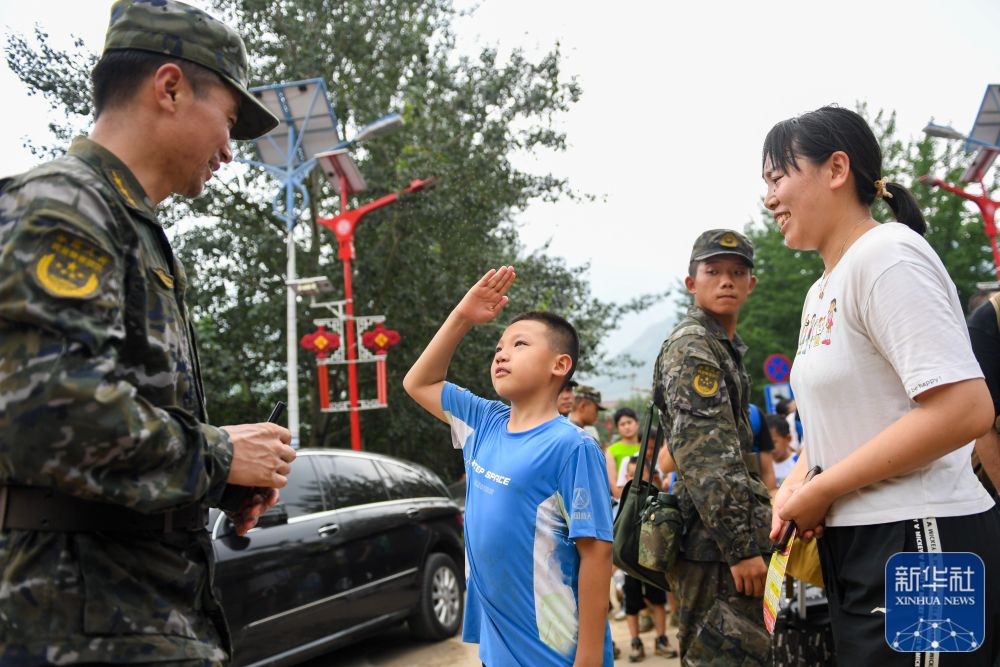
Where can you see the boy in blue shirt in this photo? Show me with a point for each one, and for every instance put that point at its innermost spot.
(538, 513)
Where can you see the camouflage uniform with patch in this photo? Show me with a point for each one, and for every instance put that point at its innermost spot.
(101, 403)
(702, 390)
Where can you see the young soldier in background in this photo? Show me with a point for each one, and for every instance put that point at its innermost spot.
(702, 390)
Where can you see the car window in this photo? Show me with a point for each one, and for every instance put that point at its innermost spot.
(302, 495)
(355, 481)
(405, 482)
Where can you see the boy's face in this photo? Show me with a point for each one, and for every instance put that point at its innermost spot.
(722, 284)
(564, 402)
(524, 361)
(627, 427)
(646, 473)
(782, 444)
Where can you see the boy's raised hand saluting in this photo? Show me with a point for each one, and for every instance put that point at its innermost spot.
(484, 301)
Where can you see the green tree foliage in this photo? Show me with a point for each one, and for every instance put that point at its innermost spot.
(769, 322)
(58, 76)
(466, 117)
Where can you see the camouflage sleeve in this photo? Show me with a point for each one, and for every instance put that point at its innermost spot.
(67, 418)
(704, 443)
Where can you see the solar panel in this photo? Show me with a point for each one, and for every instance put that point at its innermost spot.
(338, 163)
(985, 135)
(306, 114)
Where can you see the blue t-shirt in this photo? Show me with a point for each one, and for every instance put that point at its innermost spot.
(529, 496)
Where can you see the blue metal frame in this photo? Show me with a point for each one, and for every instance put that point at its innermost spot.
(297, 166)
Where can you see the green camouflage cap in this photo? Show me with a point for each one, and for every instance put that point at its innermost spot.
(722, 242)
(177, 30)
(590, 394)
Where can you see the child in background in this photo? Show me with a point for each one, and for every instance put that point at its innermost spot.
(784, 461)
(627, 424)
(638, 594)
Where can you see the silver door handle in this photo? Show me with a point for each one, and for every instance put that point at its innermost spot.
(328, 529)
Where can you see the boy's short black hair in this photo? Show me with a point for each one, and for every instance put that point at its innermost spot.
(562, 335)
(623, 412)
(118, 74)
(778, 424)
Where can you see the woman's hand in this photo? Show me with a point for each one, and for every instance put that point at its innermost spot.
(784, 492)
(807, 507)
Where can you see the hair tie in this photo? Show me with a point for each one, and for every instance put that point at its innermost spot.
(880, 191)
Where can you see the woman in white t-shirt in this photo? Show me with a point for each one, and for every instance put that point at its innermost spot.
(887, 387)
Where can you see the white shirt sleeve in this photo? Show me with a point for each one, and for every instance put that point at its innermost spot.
(914, 320)
(623, 472)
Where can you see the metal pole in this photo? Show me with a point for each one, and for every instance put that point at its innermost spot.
(290, 320)
(996, 254)
(352, 367)
(293, 352)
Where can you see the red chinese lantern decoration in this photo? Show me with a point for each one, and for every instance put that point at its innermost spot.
(321, 343)
(379, 340)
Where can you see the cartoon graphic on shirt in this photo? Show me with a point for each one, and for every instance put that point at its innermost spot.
(829, 321)
(817, 329)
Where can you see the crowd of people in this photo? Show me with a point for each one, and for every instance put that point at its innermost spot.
(889, 399)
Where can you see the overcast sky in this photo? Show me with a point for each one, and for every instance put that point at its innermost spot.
(677, 98)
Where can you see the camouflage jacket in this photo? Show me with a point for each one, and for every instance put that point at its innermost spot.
(101, 398)
(703, 392)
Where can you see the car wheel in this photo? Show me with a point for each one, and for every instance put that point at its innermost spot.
(439, 612)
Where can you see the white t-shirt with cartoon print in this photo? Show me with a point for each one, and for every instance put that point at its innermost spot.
(888, 327)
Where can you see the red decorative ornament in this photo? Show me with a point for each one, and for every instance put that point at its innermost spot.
(380, 339)
(320, 342)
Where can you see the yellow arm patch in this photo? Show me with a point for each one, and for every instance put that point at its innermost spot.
(70, 267)
(706, 380)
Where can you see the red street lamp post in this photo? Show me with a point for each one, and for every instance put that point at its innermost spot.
(987, 209)
(343, 227)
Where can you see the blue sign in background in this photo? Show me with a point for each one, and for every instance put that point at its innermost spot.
(935, 602)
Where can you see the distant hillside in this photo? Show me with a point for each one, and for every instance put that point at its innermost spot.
(644, 348)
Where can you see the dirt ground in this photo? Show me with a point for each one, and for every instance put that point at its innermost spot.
(396, 649)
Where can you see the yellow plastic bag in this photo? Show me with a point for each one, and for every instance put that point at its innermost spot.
(803, 563)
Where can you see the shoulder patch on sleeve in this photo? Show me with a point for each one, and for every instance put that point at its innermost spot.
(706, 380)
(69, 266)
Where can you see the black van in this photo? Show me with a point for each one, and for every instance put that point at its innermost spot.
(358, 542)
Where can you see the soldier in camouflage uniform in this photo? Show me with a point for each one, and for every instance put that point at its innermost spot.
(107, 462)
(702, 390)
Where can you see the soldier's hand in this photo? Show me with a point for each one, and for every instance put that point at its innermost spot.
(261, 455)
(749, 575)
(260, 502)
(486, 298)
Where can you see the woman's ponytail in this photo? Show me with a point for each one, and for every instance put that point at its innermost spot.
(904, 206)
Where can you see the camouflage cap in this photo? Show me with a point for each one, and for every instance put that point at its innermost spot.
(177, 30)
(590, 394)
(722, 242)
